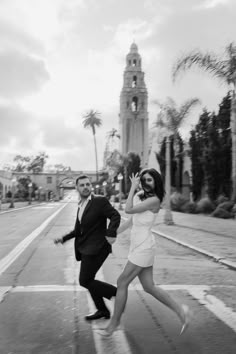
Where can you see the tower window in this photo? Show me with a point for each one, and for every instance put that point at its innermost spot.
(142, 105)
(135, 104)
(134, 62)
(134, 82)
(129, 62)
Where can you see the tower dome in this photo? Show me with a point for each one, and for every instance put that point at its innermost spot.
(134, 48)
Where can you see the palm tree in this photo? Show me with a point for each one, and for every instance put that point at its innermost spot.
(172, 117)
(111, 135)
(223, 68)
(92, 120)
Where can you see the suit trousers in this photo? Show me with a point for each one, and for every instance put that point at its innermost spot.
(90, 264)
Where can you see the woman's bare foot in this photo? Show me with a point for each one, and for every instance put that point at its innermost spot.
(186, 318)
(109, 330)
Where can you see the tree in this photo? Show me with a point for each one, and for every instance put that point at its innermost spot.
(22, 163)
(223, 68)
(131, 164)
(30, 163)
(172, 117)
(110, 144)
(38, 162)
(92, 120)
(210, 146)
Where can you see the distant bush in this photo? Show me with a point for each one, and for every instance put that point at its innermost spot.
(222, 213)
(228, 206)
(177, 200)
(221, 199)
(205, 206)
(189, 207)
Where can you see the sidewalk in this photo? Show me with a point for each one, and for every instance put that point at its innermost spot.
(213, 237)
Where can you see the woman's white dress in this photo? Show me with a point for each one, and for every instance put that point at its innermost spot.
(142, 243)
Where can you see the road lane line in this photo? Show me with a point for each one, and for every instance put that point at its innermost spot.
(117, 343)
(16, 252)
(198, 292)
(216, 306)
(3, 291)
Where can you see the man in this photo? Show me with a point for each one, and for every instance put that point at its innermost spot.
(93, 240)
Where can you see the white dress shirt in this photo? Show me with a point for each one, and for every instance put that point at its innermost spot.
(82, 206)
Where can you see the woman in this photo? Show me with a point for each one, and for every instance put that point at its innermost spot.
(144, 206)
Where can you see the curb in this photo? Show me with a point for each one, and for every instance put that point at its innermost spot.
(215, 257)
(16, 209)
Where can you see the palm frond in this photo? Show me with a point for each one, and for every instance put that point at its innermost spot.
(207, 62)
(171, 116)
(91, 120)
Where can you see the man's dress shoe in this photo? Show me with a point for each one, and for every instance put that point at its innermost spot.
(97, 315)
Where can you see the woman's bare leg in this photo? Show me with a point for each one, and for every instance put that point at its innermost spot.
(129, 273)
(146, 279)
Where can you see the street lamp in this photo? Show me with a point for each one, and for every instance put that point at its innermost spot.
(104, 187)
(168, 215)
(13, 181)
(61, 191)
(120, 178)
(40, 188)
(30, 185)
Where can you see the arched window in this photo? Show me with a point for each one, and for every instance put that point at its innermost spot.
(134, 104)
(134, 82)
(134, 62)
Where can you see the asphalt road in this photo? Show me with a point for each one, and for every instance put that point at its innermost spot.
(42, 307)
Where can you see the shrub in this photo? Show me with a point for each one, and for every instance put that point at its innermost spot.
(226, 205)
(177, 200)
(189, 207)
(205, 206)
(222, 213)
(221, 199)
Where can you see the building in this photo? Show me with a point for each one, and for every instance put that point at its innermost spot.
(5, 183)
(47, 184)
(133, 108)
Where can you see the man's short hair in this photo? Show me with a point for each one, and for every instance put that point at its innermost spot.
(81, 177)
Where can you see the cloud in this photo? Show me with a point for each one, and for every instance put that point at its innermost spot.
(209, 4)
(13, 36)
(18, 127)
(21, 74)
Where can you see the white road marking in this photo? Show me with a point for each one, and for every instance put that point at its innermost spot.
(216, 306)
(3, 291)
(16, 252)
(199, 292)
(16, 209)
(117, 343)
(43, 207)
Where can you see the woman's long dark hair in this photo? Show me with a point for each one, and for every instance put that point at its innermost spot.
(158, 183)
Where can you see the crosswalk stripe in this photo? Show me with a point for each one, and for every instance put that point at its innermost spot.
(216, 306)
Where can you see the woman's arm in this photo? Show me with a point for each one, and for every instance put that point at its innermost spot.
(125, 225)
(152, 203)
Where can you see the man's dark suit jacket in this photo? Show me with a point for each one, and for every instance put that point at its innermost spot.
(90, 233)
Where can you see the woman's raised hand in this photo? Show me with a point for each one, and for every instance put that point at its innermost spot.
(135, 180)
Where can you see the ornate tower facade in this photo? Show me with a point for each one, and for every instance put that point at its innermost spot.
(133, 108)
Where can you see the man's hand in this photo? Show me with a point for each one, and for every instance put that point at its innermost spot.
(58, 240)
(110, 240)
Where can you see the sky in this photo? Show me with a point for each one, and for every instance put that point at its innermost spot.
(61, 58)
